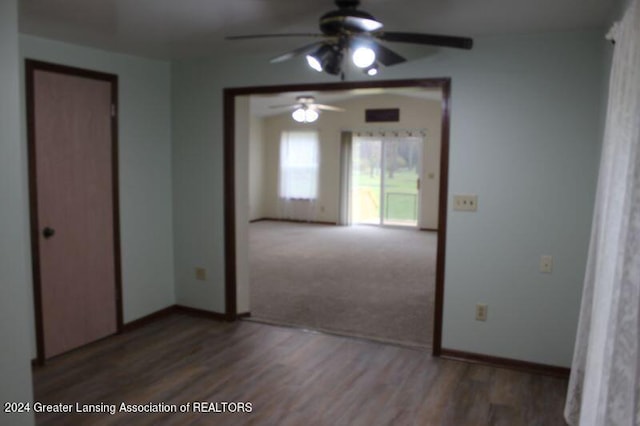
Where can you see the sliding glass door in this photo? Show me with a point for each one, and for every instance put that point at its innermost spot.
(366, 183)
(385, 180)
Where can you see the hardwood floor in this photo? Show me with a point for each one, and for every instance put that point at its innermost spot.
(290, 377)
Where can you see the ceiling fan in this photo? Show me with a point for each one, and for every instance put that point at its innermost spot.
(306, 110)
(349, 29)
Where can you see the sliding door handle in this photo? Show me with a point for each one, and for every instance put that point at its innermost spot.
(48, 232)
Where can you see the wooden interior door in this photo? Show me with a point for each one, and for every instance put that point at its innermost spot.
(73, 162)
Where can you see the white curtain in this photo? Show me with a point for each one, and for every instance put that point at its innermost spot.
(298, 175)
(605, 375)
(346, 152)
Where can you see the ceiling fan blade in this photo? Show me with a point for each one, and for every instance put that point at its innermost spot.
(328, 107)
(296, 52)
(289, 106)
(386, 56)
(252, 36)
(430, 39)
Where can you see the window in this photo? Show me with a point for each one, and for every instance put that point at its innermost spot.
(299, 165)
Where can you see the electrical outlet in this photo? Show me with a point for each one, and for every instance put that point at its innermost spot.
(201, 274)
(481, 312)
(467, 203)
(546, 264)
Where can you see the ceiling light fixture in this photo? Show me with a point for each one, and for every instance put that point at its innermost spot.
(326, 58)
(320, 56)
(314, 63)
(349, 29)
(305, 114)
(363, 57)
(372, 70)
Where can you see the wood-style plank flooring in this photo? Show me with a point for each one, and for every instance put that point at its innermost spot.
(290, 376)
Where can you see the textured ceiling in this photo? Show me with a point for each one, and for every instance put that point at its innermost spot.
(173, 29)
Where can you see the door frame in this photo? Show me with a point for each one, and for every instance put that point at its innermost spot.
(229, 97)
(31, 66)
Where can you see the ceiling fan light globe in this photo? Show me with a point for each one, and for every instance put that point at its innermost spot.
(363, 57)
(314, 63)
(310, 116)
(372, 71)
(299, 115)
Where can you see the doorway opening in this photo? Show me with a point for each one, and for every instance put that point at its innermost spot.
(236, 212)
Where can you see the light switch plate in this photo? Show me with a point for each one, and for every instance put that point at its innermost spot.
(467, 203)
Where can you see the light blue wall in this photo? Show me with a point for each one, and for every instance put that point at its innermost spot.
(15, 276)
(525, 137)
(144, 141)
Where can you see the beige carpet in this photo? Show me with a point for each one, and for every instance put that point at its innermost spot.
(361, 281)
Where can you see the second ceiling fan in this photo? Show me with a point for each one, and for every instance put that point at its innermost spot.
(306, 109)
(348, 29)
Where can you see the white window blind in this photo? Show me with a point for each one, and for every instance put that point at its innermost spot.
(299, 161)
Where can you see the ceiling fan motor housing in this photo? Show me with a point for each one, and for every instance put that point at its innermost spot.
(337, 22)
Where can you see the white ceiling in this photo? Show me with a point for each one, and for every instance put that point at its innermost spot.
(173, 29)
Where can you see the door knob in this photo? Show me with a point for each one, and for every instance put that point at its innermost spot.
(48, 232)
